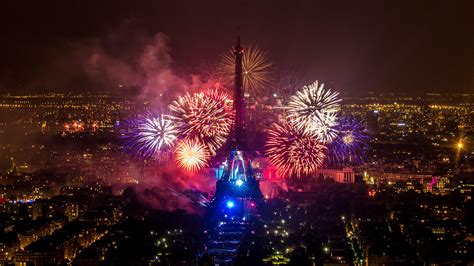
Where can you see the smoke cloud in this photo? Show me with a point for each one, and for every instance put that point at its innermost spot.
(144, 64)
(169, 188)
(146, 69)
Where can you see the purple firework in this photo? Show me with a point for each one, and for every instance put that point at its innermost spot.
(150, 134)
(351, 140)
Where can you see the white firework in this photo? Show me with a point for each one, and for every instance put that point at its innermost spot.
(314, 109)
(325, 129)
(157, 132)
(150, 134)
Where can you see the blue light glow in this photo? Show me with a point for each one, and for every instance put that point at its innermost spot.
(239, 182)
(229, 204)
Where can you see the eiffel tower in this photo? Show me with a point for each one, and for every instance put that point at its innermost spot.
(237, 190)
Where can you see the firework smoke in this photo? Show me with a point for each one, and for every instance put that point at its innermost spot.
(168, 188)
(144, 70)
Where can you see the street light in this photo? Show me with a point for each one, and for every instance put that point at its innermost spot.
(326, 249)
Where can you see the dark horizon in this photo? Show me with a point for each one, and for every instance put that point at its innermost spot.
(353, 47)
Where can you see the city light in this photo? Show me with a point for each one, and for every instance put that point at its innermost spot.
(460, 145)
(326, 249)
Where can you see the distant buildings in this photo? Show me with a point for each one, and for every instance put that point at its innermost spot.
(345, 175)
(412, 205)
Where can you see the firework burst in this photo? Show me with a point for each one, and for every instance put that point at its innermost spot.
(191, 155)
(256, 69)
(150, 134)
(294, 152)
(350, 142)
(324, 129)
(206, 116)
(313, 110)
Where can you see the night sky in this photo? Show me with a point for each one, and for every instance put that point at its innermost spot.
(356, 46)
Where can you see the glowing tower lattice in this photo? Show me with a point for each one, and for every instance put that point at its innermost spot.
(237, 180)
(237, 189)
(239, 103)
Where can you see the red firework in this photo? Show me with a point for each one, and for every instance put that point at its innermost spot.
(294, 152)
(191, 155)
(205, 116)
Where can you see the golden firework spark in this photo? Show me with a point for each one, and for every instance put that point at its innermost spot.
(292, 151)
(206, 116)
(191, 155)
(256, 69)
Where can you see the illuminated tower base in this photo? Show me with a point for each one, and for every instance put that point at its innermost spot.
(237, 190)
(237, 197)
